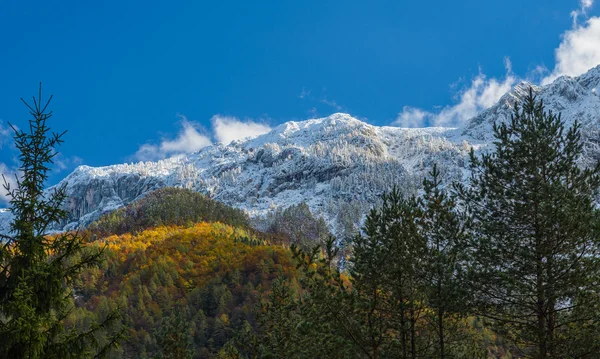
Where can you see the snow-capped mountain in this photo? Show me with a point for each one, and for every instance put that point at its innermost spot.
(338, 165)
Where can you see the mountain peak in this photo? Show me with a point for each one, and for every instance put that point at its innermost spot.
(591, 80)
(339, 165)
(575, 97)
(304, 133)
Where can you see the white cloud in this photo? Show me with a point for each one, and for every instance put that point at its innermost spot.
(9, 175)
(584, 6)
(62, 163)
(578, 51)
(227, 129)
(188, 140)
(5, 133)
(482, 93)
(412, 117)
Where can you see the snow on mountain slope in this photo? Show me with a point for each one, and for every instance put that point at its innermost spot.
(575, 98)
(338, 164)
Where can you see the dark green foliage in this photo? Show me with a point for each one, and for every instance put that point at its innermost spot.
(443, 265)
(409, 263)
(385, 269)
(168, 206)
(278, 318)
(299, 225)
(319, 322)
(536, 233)
(333, 313)
(407, 258)
(173, 336)
(36, 271)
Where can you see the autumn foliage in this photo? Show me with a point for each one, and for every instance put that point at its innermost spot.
(217, 272)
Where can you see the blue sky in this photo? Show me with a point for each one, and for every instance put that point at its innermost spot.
(147, 79)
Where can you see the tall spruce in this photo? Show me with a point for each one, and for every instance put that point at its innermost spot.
(333, 315)
(36, 270)
(385, 265)
(443, 265)
(536, 231)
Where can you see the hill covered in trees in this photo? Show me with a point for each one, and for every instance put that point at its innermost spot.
(195, 287)
(208, 276)
(168, 206)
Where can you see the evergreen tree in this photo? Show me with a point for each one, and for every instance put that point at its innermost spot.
(36, 270)
(385, 270)
(351, 321)
(536, 231)
(173, 336)
(443, 269)
(279, 322)
(324, 320)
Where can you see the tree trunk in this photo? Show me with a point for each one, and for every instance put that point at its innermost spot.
(551, 309)
(541, 311)
(441, 333)
(413, 349)
(403, 330)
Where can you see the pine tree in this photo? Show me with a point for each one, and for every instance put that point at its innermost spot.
(443, 267)
(332, 313)
(442, 273)
(536, 231)
(173, 336)
(324, 320)
(385, 270)
(37, 270)
(281, 335)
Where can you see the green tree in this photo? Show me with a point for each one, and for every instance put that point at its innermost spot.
(385, 269)
(321, 320)
(173, 336)
(278, 321)
(443, 270)
(36, 270)
(340, 318)
(536, 232)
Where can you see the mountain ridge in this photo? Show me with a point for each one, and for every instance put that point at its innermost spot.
(338, 164)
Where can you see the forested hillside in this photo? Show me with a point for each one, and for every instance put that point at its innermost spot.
(212, 275)
(168, 206)
(199, 288)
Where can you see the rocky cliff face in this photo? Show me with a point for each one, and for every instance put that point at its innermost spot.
(338, 164)
(91, 194)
